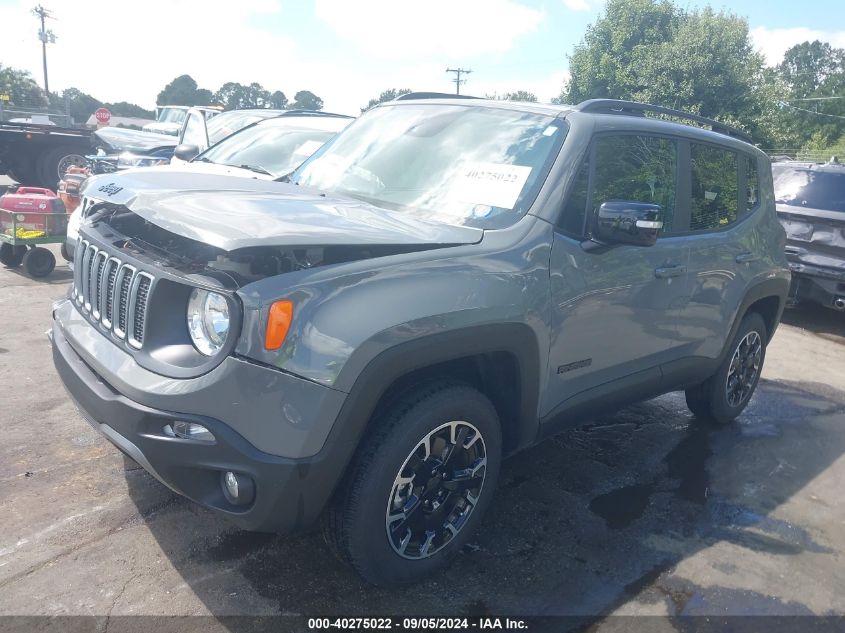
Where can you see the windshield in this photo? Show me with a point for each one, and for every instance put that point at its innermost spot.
(807, 187)
(271, 145)
(222, 125)
(470, 165)
(172, 115)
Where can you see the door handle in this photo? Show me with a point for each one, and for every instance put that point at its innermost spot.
(746, 257)
(664, 272)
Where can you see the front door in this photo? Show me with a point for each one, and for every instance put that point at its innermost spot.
(615, 306)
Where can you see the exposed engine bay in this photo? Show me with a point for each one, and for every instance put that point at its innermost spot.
(241, 266)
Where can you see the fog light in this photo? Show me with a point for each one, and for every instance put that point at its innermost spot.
(189, 431)
(238, 489)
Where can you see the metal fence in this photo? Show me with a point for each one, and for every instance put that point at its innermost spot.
(37, 113)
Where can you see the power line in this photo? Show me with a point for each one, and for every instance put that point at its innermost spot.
(818, 98)
(834, 116)
(457, 80)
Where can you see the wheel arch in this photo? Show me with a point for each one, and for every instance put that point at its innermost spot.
(509, 351)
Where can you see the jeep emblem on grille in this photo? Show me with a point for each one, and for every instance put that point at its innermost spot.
(110, 189)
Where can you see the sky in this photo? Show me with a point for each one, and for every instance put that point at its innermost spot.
(345, 51)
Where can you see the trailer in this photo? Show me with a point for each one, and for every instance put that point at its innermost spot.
(39, 155)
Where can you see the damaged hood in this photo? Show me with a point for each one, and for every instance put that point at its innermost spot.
(137, 142)
(230, 213)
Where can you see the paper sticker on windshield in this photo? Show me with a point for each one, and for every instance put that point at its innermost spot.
(308, 148)
(493, 184)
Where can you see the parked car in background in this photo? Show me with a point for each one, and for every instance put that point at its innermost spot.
(121, 148)
(265, 149)
(810, 199)
(446, 282)
(199, 133)
(170, 119)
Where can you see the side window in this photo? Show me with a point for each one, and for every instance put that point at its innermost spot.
(715, 182)
(638, 169)
(572, 221)
(194, 132)
(752, 184)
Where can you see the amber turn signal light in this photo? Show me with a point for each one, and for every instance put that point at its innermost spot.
(278, 324)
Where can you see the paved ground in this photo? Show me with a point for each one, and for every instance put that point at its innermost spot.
(638, 513)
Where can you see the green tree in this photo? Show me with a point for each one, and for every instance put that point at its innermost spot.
(388, 95)
(811, 73)
(123, 108)
(306, 100)
(701, 61)
(183, 91)
(236, 96)
(80, 104)
(520, 95)
(21, 88)
(278, 100)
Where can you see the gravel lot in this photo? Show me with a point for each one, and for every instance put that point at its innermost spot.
(642, 512)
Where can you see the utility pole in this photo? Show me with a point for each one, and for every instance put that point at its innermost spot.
(46, 37)
(458, 81)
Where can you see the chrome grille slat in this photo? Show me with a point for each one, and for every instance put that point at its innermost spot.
(107, 290)
(113, 293)
(97, 266)
(122, 287)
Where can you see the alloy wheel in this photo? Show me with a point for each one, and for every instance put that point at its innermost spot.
(436, 490)
(744, 369)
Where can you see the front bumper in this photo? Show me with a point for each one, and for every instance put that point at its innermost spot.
(289, 493)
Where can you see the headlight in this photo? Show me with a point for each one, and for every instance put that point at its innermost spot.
(208, 320)
(128, 159)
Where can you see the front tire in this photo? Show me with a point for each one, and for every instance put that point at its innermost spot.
(723, 396)
(420, 485)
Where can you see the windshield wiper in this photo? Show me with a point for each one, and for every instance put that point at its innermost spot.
(256, 168)
(202, 159)
(286, 177)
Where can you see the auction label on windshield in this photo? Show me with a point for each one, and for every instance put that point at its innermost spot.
(494, 184)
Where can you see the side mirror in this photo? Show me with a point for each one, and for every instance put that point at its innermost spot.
(186, 151)
(625, 222)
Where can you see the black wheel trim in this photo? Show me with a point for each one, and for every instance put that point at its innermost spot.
(744, 369)
(436, 490)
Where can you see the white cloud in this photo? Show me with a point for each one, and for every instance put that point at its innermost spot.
(545, 88)
(123, 52)
(393, 28)
(773, 43)
(120, 53)
(578, 5)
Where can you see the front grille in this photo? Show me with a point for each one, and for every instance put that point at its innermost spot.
(112, 292)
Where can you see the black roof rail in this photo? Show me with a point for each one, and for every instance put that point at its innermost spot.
(314, 113)
(634, 108)
(431, 95)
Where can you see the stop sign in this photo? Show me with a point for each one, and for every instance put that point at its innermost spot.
(102, 115)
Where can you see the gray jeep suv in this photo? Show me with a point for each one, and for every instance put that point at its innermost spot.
(446, 282)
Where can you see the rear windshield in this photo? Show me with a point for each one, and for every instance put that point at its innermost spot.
(808, 187)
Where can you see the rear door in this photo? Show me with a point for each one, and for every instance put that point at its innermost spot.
(614, 306)
(725, 247)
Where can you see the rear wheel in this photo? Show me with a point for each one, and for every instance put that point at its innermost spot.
(39, 262)
(420, 485)
(723, 396)
(53, 164)
(11, 256)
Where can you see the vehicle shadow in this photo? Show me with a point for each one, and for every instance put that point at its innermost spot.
(825, 322)
(580, 524)
(61, 275)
